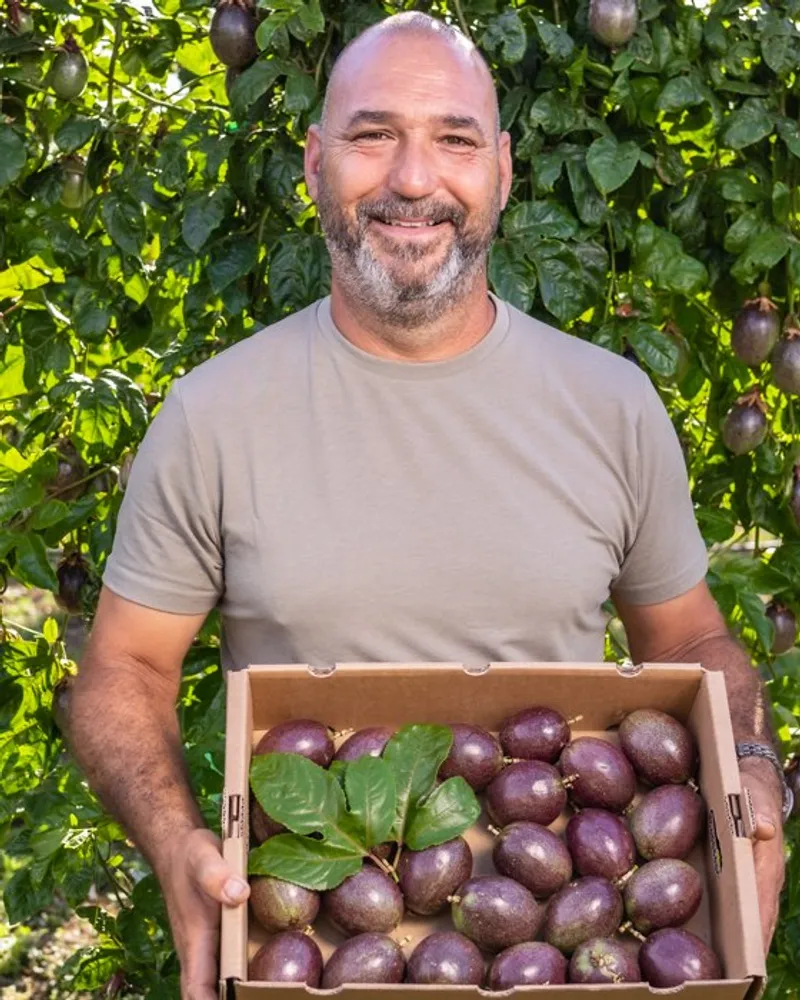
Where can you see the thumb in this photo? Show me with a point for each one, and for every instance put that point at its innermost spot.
(766, 819)
(214, 875)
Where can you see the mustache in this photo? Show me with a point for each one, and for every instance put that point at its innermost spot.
(386, 211)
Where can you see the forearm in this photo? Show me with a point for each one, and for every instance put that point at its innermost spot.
(747, 698)
(123, 732)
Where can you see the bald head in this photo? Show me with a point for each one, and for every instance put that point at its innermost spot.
(411, 26)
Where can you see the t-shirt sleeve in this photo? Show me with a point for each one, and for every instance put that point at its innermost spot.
(167, 552)
(667, 555)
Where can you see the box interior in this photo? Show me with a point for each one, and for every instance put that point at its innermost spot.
(355, 695)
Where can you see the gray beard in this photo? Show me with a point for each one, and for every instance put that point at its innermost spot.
(405, 308)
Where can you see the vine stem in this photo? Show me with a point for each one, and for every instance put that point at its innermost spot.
(613, 280)
(461, 18)
(112, 63)
(321, 60)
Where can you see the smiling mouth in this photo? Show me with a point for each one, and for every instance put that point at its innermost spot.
(409, 226)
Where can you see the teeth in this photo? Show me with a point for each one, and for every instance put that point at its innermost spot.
(410, 225)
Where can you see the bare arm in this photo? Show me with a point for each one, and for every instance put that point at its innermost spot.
(123, 725)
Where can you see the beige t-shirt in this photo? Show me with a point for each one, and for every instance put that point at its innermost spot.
(337, 506)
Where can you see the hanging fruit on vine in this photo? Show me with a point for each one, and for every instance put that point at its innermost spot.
(20, 20)
(69, 71)
(72, 578)
(782, 617)
(75, 191)
(233, 33)
(613, 22)
(755, 331)
(786, 359)
(745, 425)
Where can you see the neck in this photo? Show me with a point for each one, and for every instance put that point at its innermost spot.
(459, 329)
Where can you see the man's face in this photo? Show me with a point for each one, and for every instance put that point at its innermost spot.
(410, 138)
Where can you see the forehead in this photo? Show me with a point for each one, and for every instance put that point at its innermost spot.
(415, 77)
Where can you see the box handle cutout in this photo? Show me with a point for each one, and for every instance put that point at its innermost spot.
(627, 668)
(322, 669)
(476, 669)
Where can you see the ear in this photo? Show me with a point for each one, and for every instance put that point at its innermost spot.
(312, 159)
(506, 166)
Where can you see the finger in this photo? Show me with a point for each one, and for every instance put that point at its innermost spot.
(215, 877)
(198, 993)
(199, 963)
(767, 822)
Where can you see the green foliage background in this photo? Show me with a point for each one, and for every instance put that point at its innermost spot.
(655, 190)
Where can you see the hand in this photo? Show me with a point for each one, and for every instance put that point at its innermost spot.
(197, 881)
(760, 779)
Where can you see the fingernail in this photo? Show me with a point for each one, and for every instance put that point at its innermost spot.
(234, 890)
(768, 825)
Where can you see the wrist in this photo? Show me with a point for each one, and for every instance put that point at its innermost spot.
(765, 772)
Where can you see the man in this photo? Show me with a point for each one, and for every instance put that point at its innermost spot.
(409, 469)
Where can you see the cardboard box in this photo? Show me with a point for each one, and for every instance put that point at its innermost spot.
(358, 695)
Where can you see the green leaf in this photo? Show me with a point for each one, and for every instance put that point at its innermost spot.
(556, 42)
(91, 316)
(512, 277)
(230, 261)
(505, 37)
(204, 213)
(300, 93)
(415, 753)
(253, 83)
(266, 30)
(658, 350)
(680, 92)
(50, 632)
(18, 496)
(49, 513)
(12, 156)
(611, 163)
(789, 131)
(590, 205)
(125, 222)
(372, 797)
(299, 270)
(555, 113)
(97, 421)
(764, 252)
(305, 862)
(447, 812)
(744, 230)
(661, 257)
(31, 566)
(754, 612)
(560, 281)
(536, 220)
(746, 125)
(75, 133)
(296, 792)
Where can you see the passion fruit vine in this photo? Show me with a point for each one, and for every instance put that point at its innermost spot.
(232, 33)
(745, 425)
(69, 71)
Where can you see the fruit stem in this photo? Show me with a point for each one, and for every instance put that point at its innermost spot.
(454, 899)
(493, 830)
(338, 733)
(512, 760)
(624, 878)
(384, 866)
(309, 930)
(693, 785)
(628, 928)
(574, 719)
(569, 780)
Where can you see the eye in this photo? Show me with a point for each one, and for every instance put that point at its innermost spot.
(458, 140)
(370, 135)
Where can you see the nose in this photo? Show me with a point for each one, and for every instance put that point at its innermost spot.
(412, 171)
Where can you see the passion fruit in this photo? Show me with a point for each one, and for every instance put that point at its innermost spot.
(786, 362)
(673, 956)
(366, 958)
(291, 957)
(785, 623)
(529, 790)
(21, 21)
(613, 22)
(306, 737)
(661, 749)
(599, 774)
(605, 960)
(755, 331)
(69, 71)
(446, 958)
(536, 733)
(474, 756)
(745, 425)
(232, 33)
(75, 191)
(72, 576)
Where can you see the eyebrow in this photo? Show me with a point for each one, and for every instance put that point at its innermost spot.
(366, 116)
